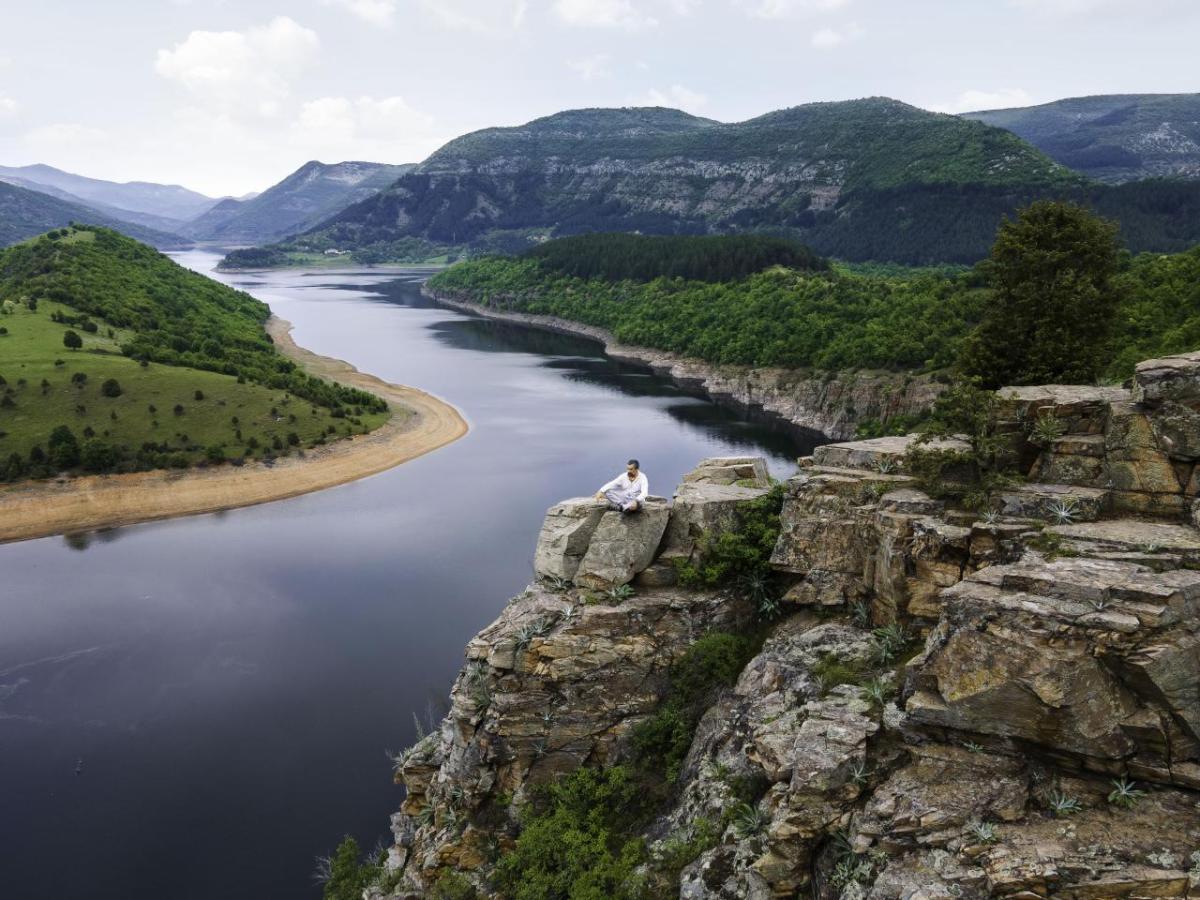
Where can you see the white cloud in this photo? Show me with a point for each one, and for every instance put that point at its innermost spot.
(484, 16)
(589, 68)
(603, 14)
(973, 100)
(386, 129)
(8, 106)
(376, 12)
(783, 9)
(244, 71)
(828, 38)
(65, 136)
(1061, 7)
(676, 96)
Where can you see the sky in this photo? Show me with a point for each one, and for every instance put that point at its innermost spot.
(229, 96)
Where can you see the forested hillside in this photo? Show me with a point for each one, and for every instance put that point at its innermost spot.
(871, 179)
(25, 213)
(107, 344)
(835, 320)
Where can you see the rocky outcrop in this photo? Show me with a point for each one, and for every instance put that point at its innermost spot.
(822, 405)
(974, 704)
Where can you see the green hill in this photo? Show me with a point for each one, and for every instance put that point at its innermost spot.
(170, 368)
(309, 195)
(1114, 138)
(871, 179)
(25, 213)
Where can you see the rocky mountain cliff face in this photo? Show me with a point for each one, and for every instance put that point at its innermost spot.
(1114, 138)
(312, 193)
(660, 170)
(951, 705)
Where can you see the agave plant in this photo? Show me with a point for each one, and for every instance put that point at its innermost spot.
(991, 518)
(876, 691)
(889, 642)
(619, 593)
(558, 584)
(530, 630)
(984, 832)
(1046, 430)
(860, 613)
(749, 820)
(859, 773)
(396, 759)
(1150, 547)
(972, 747)
(1063, 805)
(424, 817)
(850, 871)
(1125, 794)
(885, 465)
(1063, 511)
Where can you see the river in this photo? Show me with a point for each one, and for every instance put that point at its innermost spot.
(198, 708)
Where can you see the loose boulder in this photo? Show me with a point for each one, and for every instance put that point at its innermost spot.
(622, 545)
(566, 533)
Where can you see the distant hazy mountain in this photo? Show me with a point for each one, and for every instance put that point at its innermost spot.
(25, 213)
(169, 201)
(311, 194)
(159, 223)
(857, 179)
(1116, 138)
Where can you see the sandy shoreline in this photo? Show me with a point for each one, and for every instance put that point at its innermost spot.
(39, 509)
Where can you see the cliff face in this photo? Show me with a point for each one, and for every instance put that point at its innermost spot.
(823, 404)
(953, 704)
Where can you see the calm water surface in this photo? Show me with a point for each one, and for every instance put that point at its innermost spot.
(198, 708)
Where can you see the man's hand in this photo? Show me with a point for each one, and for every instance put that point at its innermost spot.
(599, 496)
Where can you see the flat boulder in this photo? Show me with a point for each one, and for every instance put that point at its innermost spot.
(884, 454)
(703, 510)
(1174, 378)
(622, 545)
(566, 533)
(749, 471)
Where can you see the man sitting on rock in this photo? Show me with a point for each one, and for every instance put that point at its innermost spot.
(627, 492)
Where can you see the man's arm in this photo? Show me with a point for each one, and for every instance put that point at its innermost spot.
(643, 488)
(616, 482)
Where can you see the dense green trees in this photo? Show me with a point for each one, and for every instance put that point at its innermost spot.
(792, 319)
(1058, 303)
(1053, 303)
(637, 257)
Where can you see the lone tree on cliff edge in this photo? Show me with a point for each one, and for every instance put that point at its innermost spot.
(1054, 304)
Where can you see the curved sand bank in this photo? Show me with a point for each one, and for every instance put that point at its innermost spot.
(420, 423)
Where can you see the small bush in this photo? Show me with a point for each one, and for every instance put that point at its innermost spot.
(111, 388)
(71, 340)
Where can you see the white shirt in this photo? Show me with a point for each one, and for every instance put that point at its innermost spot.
(628, 490)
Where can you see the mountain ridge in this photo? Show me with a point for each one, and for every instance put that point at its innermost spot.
(1114, 138)
(25, 213)
(307, 196)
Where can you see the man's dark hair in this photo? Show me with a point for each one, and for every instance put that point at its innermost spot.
(634, 463)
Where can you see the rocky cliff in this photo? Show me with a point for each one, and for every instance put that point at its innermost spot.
(951, 703)
(820, 404)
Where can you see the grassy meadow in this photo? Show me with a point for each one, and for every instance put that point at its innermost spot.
(163, 416)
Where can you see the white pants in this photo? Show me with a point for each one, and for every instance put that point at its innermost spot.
(618, 500)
